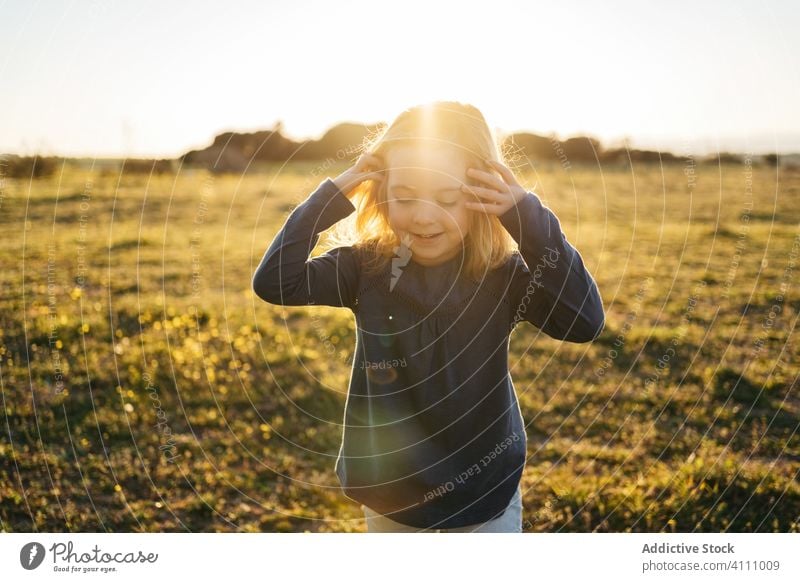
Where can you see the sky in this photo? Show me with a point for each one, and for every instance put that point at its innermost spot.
(104, 78)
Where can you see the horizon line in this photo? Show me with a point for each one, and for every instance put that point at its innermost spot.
(699, 146)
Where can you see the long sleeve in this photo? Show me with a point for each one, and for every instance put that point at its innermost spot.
(549, 285)
(285, 276)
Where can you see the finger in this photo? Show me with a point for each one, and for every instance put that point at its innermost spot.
(488, 178)
(505, 172)
(378, 171)
(493, 195)
(366, 162)
(487, 208)
(369, 171)
(375, 161)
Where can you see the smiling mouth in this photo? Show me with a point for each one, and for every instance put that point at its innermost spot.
(427, 237)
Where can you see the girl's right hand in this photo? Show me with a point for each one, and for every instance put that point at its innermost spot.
(367, 167)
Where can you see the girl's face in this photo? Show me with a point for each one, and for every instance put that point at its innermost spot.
(424, 197)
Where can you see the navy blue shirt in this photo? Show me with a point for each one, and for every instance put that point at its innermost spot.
(433, 434)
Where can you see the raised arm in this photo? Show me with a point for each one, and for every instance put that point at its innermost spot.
(549, 285)
(286, 276)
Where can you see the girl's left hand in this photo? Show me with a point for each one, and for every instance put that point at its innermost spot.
(502, 194)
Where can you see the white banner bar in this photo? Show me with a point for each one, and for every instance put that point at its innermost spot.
(401, 557)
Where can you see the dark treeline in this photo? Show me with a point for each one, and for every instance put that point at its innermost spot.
(236, 152)
(587, 150)
(240, 152)
(12, 166)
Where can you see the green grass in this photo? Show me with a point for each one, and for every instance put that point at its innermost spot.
(240, 422)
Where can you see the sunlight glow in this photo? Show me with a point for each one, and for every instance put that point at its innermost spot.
(117, 80)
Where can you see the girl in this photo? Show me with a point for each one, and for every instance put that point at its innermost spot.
(433, 435)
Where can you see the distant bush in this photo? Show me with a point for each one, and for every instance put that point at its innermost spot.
(145, 166)
(580, 149)
(533, 146)
(585, 149)
(12, 166)
(721, 158)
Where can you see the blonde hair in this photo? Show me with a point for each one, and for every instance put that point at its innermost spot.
(487, 245)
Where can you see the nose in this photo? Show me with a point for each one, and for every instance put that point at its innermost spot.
(425, 213)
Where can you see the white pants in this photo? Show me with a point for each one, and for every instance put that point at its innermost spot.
(509, 522)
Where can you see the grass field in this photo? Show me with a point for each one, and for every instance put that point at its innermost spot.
(145, 388)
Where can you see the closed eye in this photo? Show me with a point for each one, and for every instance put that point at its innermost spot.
(408, 200)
